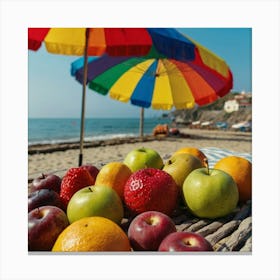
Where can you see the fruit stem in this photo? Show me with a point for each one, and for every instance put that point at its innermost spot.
(90, 189)
(207, 165)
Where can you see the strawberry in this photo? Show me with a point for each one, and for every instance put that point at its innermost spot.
(151, 189)
(75, 179)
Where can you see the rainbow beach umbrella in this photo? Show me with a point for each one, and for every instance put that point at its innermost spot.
(159, 81)
(125, 42)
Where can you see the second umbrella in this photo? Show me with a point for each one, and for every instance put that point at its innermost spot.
(157, 81)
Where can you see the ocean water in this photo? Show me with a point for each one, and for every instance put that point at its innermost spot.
(51, 131)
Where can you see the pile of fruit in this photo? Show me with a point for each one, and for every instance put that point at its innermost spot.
(84, 211)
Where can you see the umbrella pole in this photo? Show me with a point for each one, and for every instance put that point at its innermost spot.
(85, 67)
(141, 126)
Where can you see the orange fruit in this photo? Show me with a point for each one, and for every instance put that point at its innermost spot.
(193, 151)
(240, 170)
(114, 175)
(92, 234)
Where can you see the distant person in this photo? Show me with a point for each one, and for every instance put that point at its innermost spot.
(161, 129)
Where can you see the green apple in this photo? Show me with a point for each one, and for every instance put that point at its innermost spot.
(143, 158)
(95, 200)
(210, 193)
(179, 166)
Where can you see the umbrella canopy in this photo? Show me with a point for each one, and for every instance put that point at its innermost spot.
(111, 41)
(159, 81)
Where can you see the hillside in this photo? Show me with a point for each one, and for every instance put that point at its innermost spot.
(213, 112)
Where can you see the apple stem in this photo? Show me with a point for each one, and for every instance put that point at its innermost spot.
(90, 189)
(207, 165)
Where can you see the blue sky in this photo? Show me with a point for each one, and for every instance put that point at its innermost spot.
(53, 92)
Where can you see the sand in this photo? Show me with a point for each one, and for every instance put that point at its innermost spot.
(62, 157)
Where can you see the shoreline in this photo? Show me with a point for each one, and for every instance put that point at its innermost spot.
(185, 133)
(60, 157)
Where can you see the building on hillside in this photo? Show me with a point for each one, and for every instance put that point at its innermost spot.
(242, 100)
(231, 106)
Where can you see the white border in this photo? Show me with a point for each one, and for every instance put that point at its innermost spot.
(262, 16)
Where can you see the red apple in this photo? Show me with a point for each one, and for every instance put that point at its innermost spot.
(151, 189)
(46, 181)
(44, 197)
(44, 226)
(147, 230)
(93, 170)
(184, 241)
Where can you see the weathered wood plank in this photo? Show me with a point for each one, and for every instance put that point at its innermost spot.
(183, 226)
(247, 246)
(239, 237)
(215, 225)
(207, 230)
(198, 225)
(220, 242)
(222, 232)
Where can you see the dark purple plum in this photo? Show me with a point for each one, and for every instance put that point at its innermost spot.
(44, 197)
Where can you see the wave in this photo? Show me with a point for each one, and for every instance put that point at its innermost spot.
(86, 139)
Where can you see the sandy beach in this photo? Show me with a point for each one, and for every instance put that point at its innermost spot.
(58, 158)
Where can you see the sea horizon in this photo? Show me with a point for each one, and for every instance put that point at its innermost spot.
(65, 130)
(87, 118)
